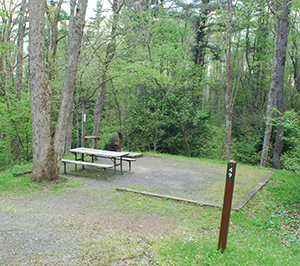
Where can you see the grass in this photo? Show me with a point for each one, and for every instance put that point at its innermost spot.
(23, 184)
(264, 232)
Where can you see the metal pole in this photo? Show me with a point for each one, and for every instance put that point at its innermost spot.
(230, 176)
(83, 118)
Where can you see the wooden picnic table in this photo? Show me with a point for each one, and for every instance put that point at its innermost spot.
(112, 155)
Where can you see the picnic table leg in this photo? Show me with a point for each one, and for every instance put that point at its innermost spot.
(129, 166)
(121, 168)
(65, 170)
(75, 160)
(115, 165)
(82, 159)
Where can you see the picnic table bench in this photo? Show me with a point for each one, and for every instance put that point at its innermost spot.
(104, 166)
(129, 160)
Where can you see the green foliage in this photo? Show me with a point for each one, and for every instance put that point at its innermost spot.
(15, 134)
(291, 122)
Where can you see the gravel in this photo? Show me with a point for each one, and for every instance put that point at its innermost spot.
(85, 226)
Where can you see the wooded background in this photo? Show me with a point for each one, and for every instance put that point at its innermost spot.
(209, 79)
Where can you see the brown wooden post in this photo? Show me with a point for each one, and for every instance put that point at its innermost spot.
(230, 176)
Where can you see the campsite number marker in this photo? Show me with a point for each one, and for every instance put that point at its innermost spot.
(230, 175)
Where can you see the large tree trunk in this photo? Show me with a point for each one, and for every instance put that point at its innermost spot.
(44, 162)
(268, 130)
(228, 101)
(47, 152)
(279, 95)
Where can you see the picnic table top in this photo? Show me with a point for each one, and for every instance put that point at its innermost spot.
(100, 153)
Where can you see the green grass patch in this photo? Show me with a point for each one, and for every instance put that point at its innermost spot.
(115, 247)
(265, 232)
(22, 183)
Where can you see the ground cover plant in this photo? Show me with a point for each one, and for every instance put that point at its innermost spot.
(264, 232)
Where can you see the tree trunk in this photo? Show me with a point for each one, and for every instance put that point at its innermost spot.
(268, 130)
(66, 108)
(53, 21)
(110, 53)
(20, 44)
(97, 112)
(228, 102)
(44, 162)
(69, 136)
(47, 152)
(279, 95)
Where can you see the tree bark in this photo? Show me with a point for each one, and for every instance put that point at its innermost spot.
(53, 20)
(44, 162)
(110, 53)
(69, 136)
(97, 112)
(269, 114)
(66, 108)
(20, 44)
(47, 152)
(228, 102)
(279, 95)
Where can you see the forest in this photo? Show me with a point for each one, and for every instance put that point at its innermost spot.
(216, 79)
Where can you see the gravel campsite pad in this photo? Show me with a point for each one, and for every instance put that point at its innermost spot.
(87, 225)
(190, 179)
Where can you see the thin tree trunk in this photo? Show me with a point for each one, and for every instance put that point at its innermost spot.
(74, 44)
(97, 112)
(53, 38)
(110, 53)
(279, 95)
(69, 136)
(268, 130)
(20, 44)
